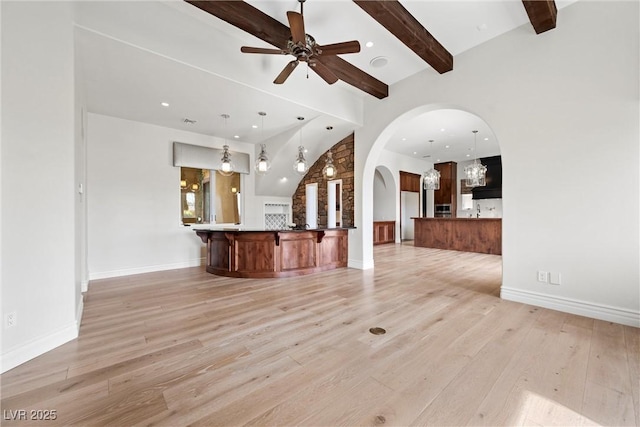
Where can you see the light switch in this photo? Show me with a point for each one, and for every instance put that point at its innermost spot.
(555, 278)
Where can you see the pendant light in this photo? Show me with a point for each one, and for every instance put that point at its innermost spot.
(329, 171)
(431, 178)
(300, 165)
(226, 166)
(262, 163)
(475, 172)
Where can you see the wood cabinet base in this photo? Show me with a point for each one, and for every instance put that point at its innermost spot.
(265, 254)
(482, 235)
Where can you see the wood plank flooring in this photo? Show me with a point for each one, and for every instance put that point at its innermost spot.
(184, 347)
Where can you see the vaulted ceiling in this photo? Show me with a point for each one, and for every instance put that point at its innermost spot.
(134, 55)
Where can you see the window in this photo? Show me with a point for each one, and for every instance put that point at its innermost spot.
(200, 205)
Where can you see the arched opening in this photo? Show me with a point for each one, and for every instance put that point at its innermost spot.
(385, 214)
(404, 145)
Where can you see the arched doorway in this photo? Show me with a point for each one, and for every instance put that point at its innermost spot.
(453, 126)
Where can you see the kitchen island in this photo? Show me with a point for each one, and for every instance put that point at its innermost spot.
(482, 235)
(274, 253)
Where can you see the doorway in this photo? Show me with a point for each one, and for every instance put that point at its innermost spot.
(311, 195)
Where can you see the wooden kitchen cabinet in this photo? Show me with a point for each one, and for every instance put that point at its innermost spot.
(384, 232)
(448, 192)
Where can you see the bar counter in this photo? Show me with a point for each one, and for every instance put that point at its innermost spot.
(482, 235)
(274, 253)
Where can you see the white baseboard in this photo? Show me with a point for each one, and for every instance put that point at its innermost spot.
(79, 311)
(582, 308)
(360, 264)
(38, 346)
(84, 286)
(146, 269)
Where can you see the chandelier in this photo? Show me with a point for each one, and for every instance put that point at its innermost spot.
(476, 172)
(431, 178)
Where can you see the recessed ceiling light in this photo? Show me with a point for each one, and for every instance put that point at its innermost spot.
(415, 152)
(254, 126)
(468, 155)
(446, 146)
(306, 151)
(442, 130)
(379, 62)
(236, 136)
(368, 44)
(486, 139)
(404, 139)
(164, 104)
(283, 179)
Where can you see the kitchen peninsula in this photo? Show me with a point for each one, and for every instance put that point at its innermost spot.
(274, 253)
(482, 235)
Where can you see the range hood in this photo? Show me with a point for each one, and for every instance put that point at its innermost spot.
(493, 189)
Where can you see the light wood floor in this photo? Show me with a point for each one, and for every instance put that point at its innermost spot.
(186, 347)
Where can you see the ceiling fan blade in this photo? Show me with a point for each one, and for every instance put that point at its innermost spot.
(340, 48)
(247, 49)
(284, 74)
(296, 22)
(323, 71)
(354, 76)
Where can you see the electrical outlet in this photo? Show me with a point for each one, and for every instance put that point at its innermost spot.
(555, 278)
(11, 320)
(543, 276)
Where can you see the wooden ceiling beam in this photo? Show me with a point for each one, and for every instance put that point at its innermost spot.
(542, 14)
(402, 24)
(255, 22)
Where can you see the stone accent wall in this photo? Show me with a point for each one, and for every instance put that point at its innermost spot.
(343, 158)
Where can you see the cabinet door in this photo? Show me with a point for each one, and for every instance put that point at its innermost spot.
(443, 195)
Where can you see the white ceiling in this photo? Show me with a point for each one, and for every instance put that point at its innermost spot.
(136, 54)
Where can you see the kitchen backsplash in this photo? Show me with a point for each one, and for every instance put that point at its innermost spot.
(489, 208)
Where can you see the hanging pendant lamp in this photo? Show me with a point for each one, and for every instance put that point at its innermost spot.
(431, 178)
(262, 163)
(226, 166)
(329, 171)
(475, 173)
(300, 164)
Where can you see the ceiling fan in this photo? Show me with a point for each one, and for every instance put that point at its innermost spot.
(246, 17)
(305, 49)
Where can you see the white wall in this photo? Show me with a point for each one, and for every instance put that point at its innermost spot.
(385, 192)
(556, 102)
(133, 197)
(38, 207)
